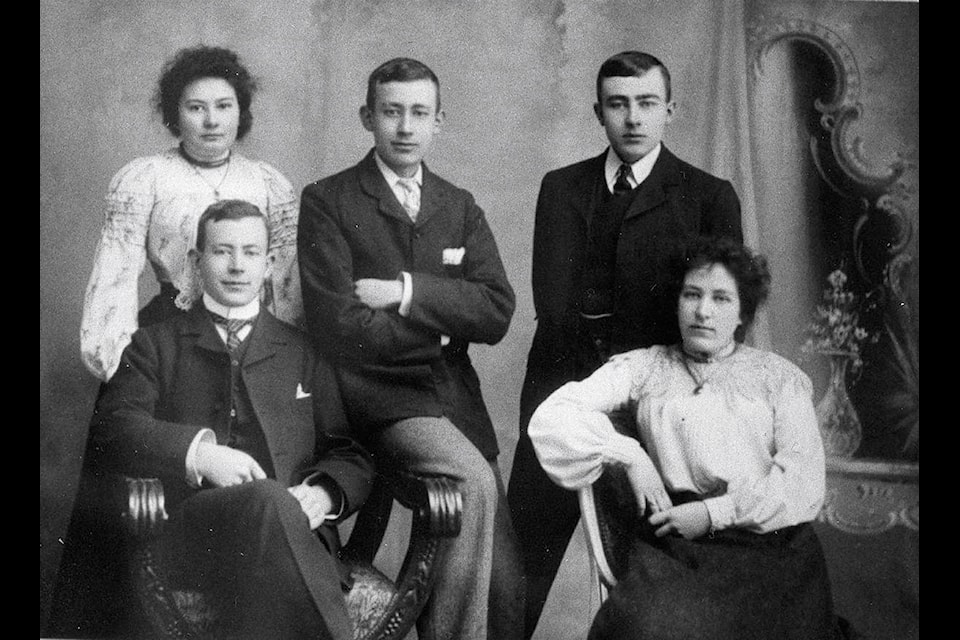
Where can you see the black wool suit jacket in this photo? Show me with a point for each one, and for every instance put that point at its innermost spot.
(391, 367)
(677, 201)
(174, 380)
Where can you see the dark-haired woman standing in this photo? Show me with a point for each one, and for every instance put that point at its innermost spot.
(152, 205)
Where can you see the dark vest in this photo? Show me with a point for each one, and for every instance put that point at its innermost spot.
(243, 430)
(597, 281)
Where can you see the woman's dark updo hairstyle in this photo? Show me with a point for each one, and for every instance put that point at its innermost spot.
(749, 270)
(198, 62)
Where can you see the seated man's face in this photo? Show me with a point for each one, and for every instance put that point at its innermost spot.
(234, 262)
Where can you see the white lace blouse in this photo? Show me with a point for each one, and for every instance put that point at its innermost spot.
(748, 441)
(152, 208)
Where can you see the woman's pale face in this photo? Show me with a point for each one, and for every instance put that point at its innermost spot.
(709, 311)
(209, 118)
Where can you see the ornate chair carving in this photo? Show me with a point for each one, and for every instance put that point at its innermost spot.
(381, 609)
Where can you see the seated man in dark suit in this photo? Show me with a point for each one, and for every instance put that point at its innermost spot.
(244, 425)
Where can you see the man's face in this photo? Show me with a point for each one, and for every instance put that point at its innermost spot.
(403, 121)
(635, 112)
(234, 262)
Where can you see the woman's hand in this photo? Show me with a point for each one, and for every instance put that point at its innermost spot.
(690, 520)
(647, 484)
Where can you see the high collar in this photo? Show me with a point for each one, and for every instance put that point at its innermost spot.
(247, 311)
(391, 176)
(639, 170)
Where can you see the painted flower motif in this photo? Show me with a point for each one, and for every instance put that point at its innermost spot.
(454, 257)
(835, 328)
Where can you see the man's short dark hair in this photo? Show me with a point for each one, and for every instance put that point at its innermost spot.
(228, 210)
(399, 70)
(631, 63)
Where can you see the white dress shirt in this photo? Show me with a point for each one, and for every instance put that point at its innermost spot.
(639, 170)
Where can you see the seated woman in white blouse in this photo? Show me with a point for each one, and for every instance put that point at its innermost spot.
(727, 467)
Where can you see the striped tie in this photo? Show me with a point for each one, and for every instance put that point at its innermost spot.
(233, 326)
(411, 200)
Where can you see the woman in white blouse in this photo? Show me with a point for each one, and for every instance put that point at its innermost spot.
(726, 463)
(153, 203)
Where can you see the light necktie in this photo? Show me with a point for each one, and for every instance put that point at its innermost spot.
(411, 200)
(233, 327)
(622, 185)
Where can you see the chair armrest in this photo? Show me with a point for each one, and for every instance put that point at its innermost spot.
(145, 513)
(610, 515)
(591, 530)
(436, 504)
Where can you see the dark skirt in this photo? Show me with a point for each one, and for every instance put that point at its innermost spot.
(732, 584)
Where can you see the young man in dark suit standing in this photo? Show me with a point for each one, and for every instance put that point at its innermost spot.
(400, 274)
(605, 230)
(232, 409)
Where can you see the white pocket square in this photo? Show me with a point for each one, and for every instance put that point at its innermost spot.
(454, 256)
(301, 393)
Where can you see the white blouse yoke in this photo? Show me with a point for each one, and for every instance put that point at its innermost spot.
(152, 207)
(748, 441)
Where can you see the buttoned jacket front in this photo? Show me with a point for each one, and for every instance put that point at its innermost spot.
(392, 367)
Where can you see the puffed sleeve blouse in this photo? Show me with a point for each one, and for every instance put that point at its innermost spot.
(748, 442)
(152, 208)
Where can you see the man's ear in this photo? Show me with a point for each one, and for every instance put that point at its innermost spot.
(438, 120)
(671, 107)
(366, 118)
(194, 256)
(598, 111)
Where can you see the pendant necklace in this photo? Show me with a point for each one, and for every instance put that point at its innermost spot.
(196, 165)
(699, 381)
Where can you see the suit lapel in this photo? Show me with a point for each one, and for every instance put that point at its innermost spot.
(264, 341)
(375, 185)
(432, 196)
(585, 194)
(653, 191)
(200, 327)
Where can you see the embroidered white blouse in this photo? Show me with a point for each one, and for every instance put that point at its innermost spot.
(152, 208)
(748, 441)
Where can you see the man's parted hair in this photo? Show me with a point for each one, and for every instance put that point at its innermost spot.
(631, 63)
(399, 70)
(227, 210)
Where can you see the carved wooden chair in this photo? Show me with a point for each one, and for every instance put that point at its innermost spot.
(380, 608)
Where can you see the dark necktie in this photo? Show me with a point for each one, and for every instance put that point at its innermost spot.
(622, 185)
(233, 326)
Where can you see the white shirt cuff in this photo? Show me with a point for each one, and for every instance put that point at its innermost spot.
(193, 477)
(406, 298)
(336, 494)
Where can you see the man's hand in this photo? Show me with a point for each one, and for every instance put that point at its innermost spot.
(690, 520)
(379, 294)
(224, 466)
(315, 501)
